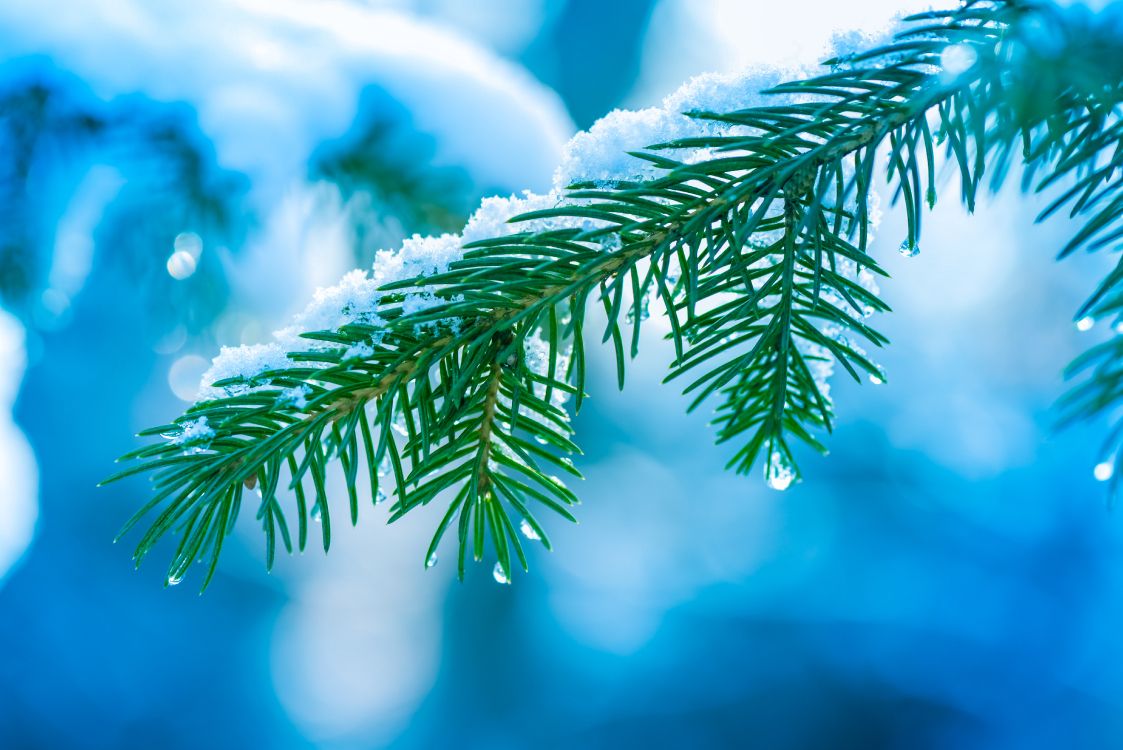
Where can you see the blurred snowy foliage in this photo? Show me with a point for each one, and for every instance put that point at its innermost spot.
(816, 617)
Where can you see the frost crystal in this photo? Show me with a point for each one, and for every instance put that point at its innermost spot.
(600, 154)
(419, 256)
(353, 300)
(821, 364)
(358, 351)
(194, 433)
(493, 218)
(246, 362)
(536, 351)
(296, 397)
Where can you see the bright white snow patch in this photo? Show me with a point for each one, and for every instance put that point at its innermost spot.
(19, 507)
(419, 256)
(195, 432)
(601, 153)
(296, 397)
(245, 362)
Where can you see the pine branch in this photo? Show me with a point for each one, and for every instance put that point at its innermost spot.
(750, 227)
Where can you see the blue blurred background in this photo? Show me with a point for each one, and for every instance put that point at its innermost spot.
(181, 175)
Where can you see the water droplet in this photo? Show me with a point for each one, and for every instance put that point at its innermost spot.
(316, 513)
(1103, 471)
(380, 497)
(431, 560)
(400, 427)
(779, 482)
(181, 265)
(175, 579)
(780, 474)
(528, 531)
(188, 242)
(910, 249)
(1119, 327)
(1085, 323)
(540, 440)
(499, 574)
(384, 467)
(958, 58)
(876, 380)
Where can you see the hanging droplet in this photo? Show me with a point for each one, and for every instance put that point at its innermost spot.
(384, 467)
(876, 380)
(380, 497)
(181, 265)
(1085, 323)
(779, 482)
(529, 531)
(1119, 327)
(1103, 471)
(499, 574)
(175, 579)
(780, 474)
(910, 249)
(431, 560)
(316, 512)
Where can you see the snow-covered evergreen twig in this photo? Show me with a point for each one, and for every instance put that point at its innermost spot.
(445, 372)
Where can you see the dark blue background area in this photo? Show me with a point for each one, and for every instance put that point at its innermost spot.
(943, 609)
